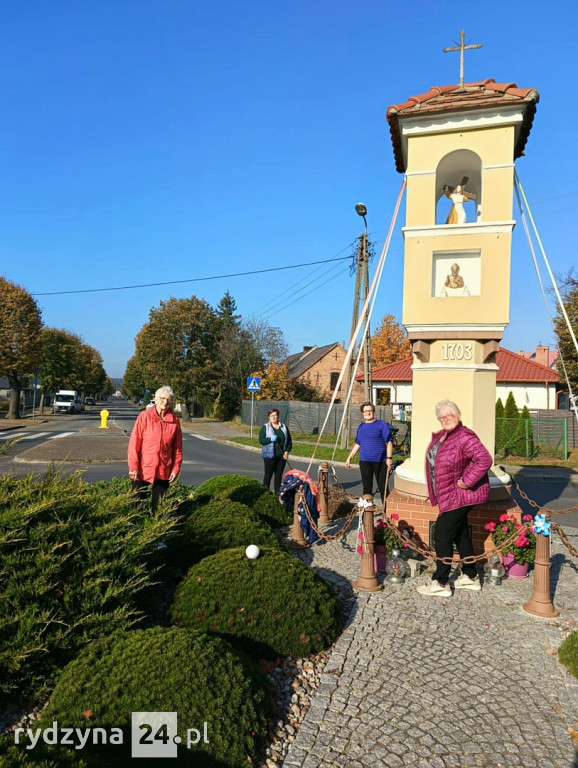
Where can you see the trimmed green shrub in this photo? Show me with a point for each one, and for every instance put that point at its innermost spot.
(274, 605)
(42, 756)
(202, 678)
(568, 653)
(270, 509)
(222, 525)
(241, 488)
(73, 559)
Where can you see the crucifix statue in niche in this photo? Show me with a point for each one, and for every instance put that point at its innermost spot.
(458, 196)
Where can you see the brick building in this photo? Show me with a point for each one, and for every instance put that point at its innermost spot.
(319, 367)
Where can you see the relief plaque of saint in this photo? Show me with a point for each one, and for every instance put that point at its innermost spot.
(454, 279)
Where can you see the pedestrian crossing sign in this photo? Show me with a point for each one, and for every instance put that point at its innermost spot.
(254, 383)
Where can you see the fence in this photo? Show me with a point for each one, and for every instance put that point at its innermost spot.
(532, 437)
(308, 417)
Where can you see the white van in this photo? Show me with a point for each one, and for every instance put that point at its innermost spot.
(66, 401)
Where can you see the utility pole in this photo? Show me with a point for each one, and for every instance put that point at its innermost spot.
(360, 294)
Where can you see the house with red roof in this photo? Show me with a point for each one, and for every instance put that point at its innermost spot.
(532, 384)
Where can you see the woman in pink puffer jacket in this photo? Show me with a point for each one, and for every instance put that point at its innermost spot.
(457, 466)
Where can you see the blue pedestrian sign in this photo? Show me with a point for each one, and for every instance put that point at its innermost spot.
(254, 383)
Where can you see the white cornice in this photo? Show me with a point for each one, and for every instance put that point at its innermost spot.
(476, 227)
(504, 114)
(454, 367)
(445, 328)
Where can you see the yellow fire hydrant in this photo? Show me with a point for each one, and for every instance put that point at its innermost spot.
(103, 419)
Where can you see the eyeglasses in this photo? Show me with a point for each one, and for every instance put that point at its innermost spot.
(448, 417)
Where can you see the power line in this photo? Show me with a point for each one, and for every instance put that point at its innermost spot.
(192, 279)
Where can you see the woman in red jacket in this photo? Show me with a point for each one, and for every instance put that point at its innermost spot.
(155, 448)
(457, 466)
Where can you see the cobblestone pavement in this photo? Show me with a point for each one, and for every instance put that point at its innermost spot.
(470, 681)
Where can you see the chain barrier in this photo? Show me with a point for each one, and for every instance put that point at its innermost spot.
(564, 538)
(535, 505)
(424, 551)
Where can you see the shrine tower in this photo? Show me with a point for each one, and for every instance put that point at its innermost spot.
(456, 145)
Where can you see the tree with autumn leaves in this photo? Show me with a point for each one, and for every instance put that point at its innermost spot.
(61, 358)
(389, 343)
(20, 340)
(204, 354)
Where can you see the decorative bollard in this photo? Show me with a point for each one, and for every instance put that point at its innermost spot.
(297, 537)
(323, 478)
(540, 604)
(103, 419)
(367, 581)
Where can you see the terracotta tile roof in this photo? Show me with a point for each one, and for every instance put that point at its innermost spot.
(299, 363)
(512, 368)
(451, 98)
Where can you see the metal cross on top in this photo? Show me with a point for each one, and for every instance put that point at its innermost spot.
(461, 48)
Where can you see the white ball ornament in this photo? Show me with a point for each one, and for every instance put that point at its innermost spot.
(252, 552)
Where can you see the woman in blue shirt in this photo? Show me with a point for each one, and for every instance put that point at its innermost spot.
(373, 440)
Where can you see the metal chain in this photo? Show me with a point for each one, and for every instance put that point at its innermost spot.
(427, 553)
(328, 537)
(564, 538)
(537, 506)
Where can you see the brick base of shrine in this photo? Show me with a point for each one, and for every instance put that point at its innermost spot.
(417, 513)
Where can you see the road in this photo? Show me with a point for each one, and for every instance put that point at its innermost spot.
(204, 457)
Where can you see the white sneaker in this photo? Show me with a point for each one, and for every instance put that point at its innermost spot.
(435, 589)
(466, 582)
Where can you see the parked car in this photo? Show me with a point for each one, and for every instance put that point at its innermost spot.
(89, 401)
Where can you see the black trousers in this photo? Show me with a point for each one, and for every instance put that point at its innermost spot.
(275, 467)
(141, 491)
(452, 527)
(369, 470)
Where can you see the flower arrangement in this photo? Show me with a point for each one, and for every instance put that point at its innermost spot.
(523, 547)
(383, 535)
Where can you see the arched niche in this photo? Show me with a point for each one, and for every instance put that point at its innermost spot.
(451, 169)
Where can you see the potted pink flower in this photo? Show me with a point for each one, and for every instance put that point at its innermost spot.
(519, 551)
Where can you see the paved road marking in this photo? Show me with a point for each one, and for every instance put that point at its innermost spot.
(200, 437)
(10, 435)
(62, 434)
(35, 435)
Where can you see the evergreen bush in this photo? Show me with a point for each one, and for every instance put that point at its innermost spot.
(274, 605)
(73, 559)
(272, 512)
(526, 447)
(241, 488)
(499, 443)
(511, 427)
(222, 525)
(202, 678)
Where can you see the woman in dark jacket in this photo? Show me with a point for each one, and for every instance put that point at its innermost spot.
(276, 441)
(457, 465)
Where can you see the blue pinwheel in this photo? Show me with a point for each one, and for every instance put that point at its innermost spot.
(541, 525)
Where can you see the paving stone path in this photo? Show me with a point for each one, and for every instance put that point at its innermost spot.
(470, 681)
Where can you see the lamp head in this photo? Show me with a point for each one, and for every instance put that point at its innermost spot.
(361, 209)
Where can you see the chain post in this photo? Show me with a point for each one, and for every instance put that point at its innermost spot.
(367, 581)
(297, 537)
(323, 479)
(540, 604)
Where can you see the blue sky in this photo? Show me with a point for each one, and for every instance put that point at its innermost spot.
(153, 140)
